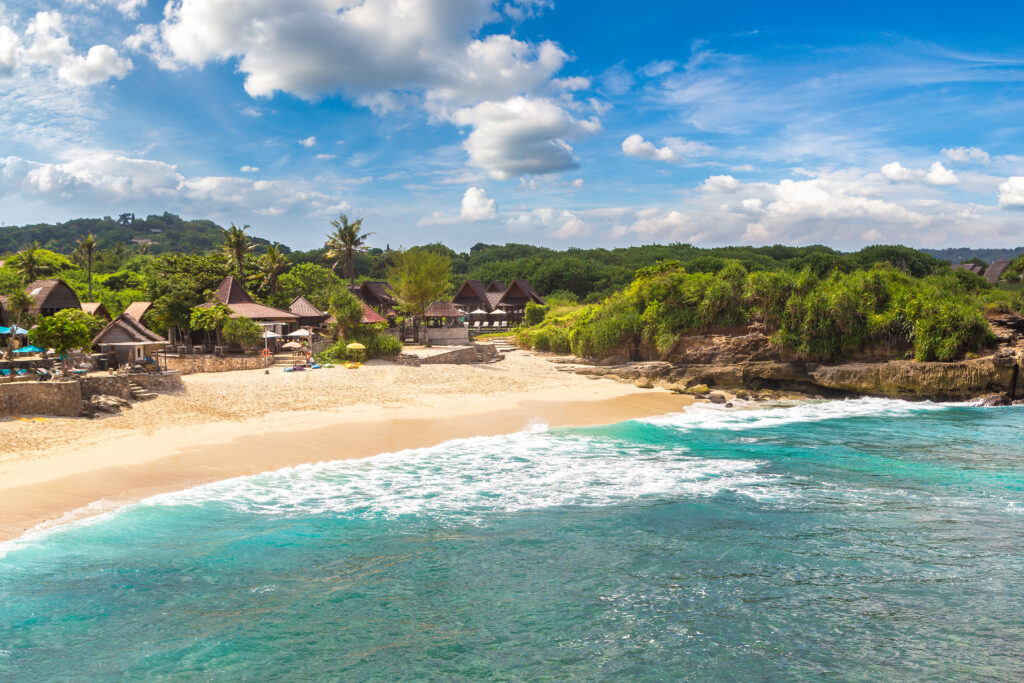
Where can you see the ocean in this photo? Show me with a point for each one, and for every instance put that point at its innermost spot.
(840, 540)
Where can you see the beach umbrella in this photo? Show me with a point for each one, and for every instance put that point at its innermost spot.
(299, 333)
(270, 335)
(29, 349)
(355, 345)
(292, 345)
(16, 331)
(478, 311)
(497, 312)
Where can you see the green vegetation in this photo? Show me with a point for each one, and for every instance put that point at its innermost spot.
(344, 243)
(242, 331)
(419, 277)
(936, 317)
(378, 343)
(66, 330)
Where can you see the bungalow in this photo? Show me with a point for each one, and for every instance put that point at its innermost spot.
(50, 296)
(233, 295)
(473, 295)
(370, 316)
(128, 339)
(97, 309)
(378, 295)
(308, 314)
(138, 310)
(514, 299)
(995, 271)
(496, 286)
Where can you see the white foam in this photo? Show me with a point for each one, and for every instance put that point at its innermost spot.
(760, 416)
(529, 470)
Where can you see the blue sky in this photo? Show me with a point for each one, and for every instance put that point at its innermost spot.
(565, 123)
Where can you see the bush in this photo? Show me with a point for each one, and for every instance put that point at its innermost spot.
(534, 313)
(379, 344)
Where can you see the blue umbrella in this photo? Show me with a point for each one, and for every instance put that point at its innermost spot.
(29, 349)
(17, 331)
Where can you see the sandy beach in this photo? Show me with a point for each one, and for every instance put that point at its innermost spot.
(239, 423)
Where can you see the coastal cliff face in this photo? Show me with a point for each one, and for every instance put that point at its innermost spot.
(750, 362)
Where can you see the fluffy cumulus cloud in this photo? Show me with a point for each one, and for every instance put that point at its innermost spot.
(308, 142)
(45, 45)
(720, 183)
(129, 8)
(110, 178)
(937, 174)
(389, 54)
(1011, 193)
(522, 135)
(967, 155)
(673, 149)
(477, 206)
(940, 175)
(559, 224)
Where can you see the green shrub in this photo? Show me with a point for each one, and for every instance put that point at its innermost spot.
(379, 344)
(534, 313)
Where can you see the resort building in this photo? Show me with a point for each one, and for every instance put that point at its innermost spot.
(514, 299)
(378, 295)
(233, 295)
(50, 296)
(128, 340)
(996, 270)
(138, 310)
(308, 314)
(496, 286)
(496, 300)
(473, 296)
(97, 309)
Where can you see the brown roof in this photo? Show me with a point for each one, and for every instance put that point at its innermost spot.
(442, 309)
(96, 308)
(131, 328)
(233, 295)
(302, 308)
(496, 286)
(995, 271)
(137, 309)
(520, 291)
(51, 294)
(473, 290)
(369, 316)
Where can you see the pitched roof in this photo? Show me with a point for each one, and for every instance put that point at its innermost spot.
(96, 308)
(474, 289)
(134, 329)
(137, 309)
(496, 286)
(231, 291)
(369, 316)
(51, 291)
(995, 271)
(521, 289)
(442, 309)
(381, 290)
(304, 309)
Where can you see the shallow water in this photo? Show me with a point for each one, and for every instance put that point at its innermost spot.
(848, 540)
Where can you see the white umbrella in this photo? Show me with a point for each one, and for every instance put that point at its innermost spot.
(497, 312)
(478, 311)
(270, 335)
(299, 333)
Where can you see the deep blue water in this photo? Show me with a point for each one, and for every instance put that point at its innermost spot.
(855, 540)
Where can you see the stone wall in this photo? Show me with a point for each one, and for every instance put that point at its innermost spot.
(20, 399)
(447, 336)
(117, 385)
(190, 365)
(159, 381)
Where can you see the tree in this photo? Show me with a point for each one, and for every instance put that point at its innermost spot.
(65, 330)
(28, 263)
(88, 245)
(316, 283)
(18, 305)
(236, 245)
(242, 331)
(209, 319)
(347, 311)
(419, 277)
(344, 243)
(272, 264)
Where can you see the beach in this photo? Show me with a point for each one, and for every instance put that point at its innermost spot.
(240, 423)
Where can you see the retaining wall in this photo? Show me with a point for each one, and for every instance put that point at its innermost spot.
(117, 385)
(190, 365)
(61, 399)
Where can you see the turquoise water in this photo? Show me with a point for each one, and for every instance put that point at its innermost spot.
(862, 539)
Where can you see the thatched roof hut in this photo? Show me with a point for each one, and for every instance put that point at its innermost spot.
(995, 271)
(97, 309)
(472, 295)
(518, 294)
(308, 314)
(497, 286)
(138, 309)
(50, 296)
(442, 309)
(378, 295)
(128, 338)
(233, 295)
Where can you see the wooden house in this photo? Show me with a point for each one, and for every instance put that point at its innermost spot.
(97, 309)
(50, 296)
(378, 295)
(138, 310)
(233, 295)
(128, 340)
(308, 314)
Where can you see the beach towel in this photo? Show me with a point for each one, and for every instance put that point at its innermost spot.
(5, 373)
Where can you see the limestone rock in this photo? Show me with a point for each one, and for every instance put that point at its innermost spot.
(644, 383)
(996, 400)
(911, 379)
(718, 398)
(699, 390)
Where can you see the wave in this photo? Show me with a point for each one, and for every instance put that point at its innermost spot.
(529, 470)
(768, 415)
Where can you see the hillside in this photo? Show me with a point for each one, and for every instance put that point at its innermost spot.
(161, 234)
(961, 254)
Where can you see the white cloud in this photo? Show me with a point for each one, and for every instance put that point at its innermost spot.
(522, 135)
(655, 69)
(250, 169)
(129, 8)
(560, 224)
(308, 142)
(897, 172)
(1011, 193)
(674, 149)
(720, 183)
(577, 183)
(477, 206)
(940, 175)
(326, 157)
(965, 155)
(45, 45)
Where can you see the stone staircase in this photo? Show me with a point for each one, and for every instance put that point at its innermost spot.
(504, 344)
(140, 394)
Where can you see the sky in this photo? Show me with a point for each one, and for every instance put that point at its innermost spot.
(556, 122)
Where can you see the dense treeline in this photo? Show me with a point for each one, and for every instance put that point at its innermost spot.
(940, 316)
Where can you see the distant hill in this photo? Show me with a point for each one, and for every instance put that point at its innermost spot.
(961, 254)
(160, 233)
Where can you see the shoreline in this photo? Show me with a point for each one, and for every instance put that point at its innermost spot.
(113, 474)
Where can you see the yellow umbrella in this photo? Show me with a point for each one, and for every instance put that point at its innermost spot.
(355, 345)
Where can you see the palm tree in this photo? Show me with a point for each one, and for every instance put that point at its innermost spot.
(236, 246)
(18, 305)
(29, 264)
(344, 243)
(88, 244)
(272, 264)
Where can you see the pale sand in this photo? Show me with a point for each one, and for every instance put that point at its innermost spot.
(240, 423)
